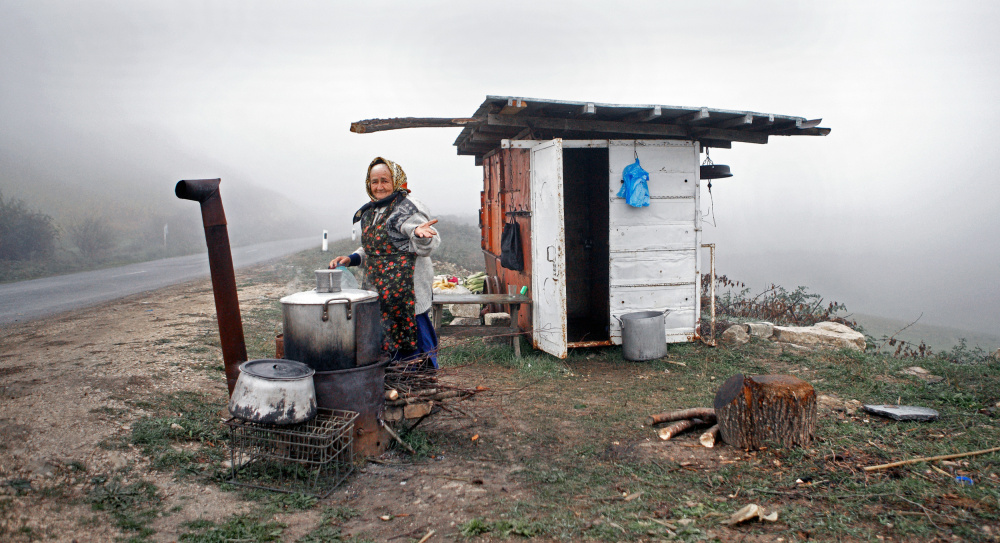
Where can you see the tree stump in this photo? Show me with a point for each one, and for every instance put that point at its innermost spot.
(777, 410)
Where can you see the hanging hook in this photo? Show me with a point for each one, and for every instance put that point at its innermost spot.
(635, 152)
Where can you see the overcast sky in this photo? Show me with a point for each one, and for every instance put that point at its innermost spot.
(894, 213)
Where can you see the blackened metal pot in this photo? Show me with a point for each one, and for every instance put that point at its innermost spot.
(273, 391)
(330, 331)
(362, 390)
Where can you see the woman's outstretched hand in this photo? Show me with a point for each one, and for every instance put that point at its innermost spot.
(425, 230)
(340, 261)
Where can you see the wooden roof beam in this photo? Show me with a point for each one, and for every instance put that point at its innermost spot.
(741, 121)
(513, 107)
(709, 133)
(644, 116)
(587, 126)
(699, 116)
(378, 125)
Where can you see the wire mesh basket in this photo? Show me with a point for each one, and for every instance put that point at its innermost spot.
(310, 458)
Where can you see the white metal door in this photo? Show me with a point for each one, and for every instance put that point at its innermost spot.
(548, 241)
(655, 256)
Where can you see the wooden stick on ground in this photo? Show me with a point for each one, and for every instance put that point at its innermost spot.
(931, 459)
(398, 439)
(704, 413)
(668, 432)
(426, 537)
(710, 436)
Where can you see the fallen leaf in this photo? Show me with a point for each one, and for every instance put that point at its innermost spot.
(633, 496)
(386, 517)
(475, 437)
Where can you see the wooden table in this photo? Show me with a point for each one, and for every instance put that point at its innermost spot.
(513, 300)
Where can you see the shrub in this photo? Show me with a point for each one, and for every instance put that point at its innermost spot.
(25, 234)
(93, 236)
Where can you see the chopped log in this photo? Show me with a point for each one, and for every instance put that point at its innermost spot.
(437, 396)
(705, 413)
(668, 432)
(392, 394)
(377, 125)
(709, 437)
(754, 410)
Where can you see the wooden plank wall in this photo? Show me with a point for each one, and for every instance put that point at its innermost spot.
(506, 187)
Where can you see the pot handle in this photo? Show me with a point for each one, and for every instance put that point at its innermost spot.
(326, 307)
(620, 323)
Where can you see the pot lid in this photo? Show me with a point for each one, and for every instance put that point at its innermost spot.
(275, 369)
(311, 297)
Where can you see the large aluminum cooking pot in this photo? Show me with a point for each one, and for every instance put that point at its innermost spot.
(644, 335)
(274, 392)
(330, 331)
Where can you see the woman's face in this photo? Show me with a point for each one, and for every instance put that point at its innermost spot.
(381, 181)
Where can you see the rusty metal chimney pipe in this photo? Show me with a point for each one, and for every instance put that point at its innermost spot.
(220, 261)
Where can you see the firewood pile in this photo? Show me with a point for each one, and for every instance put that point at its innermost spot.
(750, 411)
(413, 391)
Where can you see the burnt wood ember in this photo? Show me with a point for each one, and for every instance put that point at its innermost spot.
(777, 410)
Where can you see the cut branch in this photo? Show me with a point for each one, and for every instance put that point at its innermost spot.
(668, 432)
(931, 459)
(378, 125)
(704, 413)
(709, 438)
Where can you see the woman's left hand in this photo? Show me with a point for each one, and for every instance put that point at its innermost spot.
(425, 230)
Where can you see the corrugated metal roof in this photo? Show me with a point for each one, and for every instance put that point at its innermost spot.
(508, 117)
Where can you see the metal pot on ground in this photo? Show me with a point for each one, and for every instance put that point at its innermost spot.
(330, 328)
(644, 335)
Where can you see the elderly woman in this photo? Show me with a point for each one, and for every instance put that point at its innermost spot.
(397, 238)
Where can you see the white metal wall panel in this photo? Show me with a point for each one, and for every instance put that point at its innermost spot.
(655, 259)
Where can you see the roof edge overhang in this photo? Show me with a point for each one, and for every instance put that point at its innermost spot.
(507, 117)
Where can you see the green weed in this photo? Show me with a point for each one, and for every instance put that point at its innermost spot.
(237, 528)
(132, 506)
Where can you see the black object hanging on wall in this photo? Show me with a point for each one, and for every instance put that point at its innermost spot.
(511, 255)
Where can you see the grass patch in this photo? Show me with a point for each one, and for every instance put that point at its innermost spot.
(583, 419)
(131, 506)
(183, 434)
(237, 528)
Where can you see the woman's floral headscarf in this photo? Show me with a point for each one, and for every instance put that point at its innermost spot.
(398, 176)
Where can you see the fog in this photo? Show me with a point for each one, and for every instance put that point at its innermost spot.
(894, 213)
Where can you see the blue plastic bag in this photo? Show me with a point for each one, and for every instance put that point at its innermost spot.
(635, 188)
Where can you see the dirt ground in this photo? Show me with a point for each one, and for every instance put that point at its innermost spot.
(64, 386)
(73, 384)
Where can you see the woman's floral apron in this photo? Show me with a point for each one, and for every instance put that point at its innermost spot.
(390, 272)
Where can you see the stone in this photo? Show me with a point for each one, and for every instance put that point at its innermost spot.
(118, 460)
(41, 468)
(903, 412)
(497, 319)
(392, 414)
(922, 374)
(760, 329)
(468, 311)
(417, 410)
(824, 334)
(464, 321)
(735, 335)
